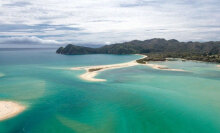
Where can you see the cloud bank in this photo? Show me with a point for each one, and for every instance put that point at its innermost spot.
(28, 40)
(104, 21)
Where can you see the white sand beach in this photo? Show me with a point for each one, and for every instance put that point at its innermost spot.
(92, 71)
(9, 109)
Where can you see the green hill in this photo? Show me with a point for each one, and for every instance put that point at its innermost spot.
(165, 48)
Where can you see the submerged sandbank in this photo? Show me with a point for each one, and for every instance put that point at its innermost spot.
(9, 109)
(163, 67)
(92, 71)
(2, 75)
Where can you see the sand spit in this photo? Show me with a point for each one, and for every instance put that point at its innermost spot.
(163, 67)
(9, 109)
(92, 71)
(218, 66)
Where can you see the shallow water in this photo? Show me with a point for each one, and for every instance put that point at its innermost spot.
(133, 100)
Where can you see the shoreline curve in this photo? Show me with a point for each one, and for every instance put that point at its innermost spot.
(10, 109)
(93, 71)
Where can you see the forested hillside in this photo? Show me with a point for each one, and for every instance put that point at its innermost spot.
(147, 46)
(206, 51)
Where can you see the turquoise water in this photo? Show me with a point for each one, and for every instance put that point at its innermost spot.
(137, 99)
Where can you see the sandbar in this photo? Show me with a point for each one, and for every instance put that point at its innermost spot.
(92, 71)
(163, 67)
(9, 109)
(2, 75)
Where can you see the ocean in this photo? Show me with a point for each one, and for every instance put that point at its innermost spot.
(136, 99)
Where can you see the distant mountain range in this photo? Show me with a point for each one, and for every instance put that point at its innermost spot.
(156, 45)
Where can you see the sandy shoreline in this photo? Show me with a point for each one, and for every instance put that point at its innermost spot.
(9, 109)
(90, 75)
(92, 71)
(218, 66)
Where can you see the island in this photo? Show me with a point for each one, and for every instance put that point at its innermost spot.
(157, 49)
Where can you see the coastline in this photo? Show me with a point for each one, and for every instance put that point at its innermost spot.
(93, 71)
(10, 109)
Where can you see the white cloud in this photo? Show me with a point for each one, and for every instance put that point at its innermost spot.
(28, 40)
(100, 21)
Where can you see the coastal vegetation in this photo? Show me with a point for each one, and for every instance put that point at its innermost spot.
(157, 50)
(95, 69)
(184, 56)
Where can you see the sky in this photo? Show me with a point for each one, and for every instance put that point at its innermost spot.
(93, 22)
